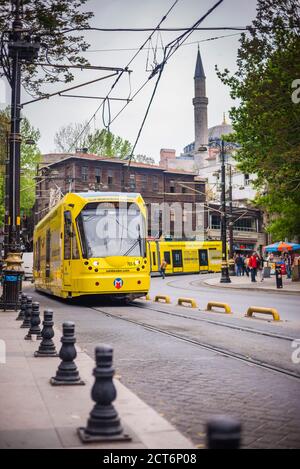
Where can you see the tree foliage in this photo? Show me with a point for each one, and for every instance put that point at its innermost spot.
(30, 157)
(266, 122)
(144, 159)
(101, 142)
(49, 20)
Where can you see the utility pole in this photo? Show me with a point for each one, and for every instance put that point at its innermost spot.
(20, 48)
(231, 264)
(224, 269)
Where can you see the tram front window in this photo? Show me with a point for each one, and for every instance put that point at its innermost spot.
(111, 229)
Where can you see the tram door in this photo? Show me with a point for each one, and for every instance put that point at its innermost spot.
(177, 260)
(203, 259)
(67, 248)
(48, 256)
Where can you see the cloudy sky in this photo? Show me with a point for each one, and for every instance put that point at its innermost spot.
(170, 121)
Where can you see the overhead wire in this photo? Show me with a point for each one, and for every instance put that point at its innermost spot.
(169, 50)
(162, 47)
(120, 75)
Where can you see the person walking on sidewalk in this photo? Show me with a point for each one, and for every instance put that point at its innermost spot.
(239, 265)
(288, 265)
(246, 264)
(253, 264)
(163, 267)
(260, 267)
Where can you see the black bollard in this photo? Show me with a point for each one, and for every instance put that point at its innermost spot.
(21, 315)
(47, 347)
(28, 308)
(67, 372)
(223, 432)
(104, 423)
(34, 322)
(278, 276)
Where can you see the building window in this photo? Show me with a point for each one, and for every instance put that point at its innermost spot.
(144, 181)
(155, 183)
(245, 224)
(215, 222)
(110, 177)
(98, 175)
(132, 182)
(84, 173)
(172, 187)
(246, 179)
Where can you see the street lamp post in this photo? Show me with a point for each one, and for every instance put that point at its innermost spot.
(230, 224)
(224, 268)
(20, 47)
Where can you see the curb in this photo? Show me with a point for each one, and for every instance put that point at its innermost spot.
(268, 290)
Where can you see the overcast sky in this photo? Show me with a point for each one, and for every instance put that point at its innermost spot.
(170, 122)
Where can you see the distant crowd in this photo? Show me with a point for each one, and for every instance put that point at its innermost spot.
(253, 264)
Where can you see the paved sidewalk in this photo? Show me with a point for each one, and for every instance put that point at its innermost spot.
(34, 414)
(268, 284)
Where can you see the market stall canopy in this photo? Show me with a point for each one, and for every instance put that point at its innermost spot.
(282, 246)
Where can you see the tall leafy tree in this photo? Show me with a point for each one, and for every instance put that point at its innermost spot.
(101, 142)
(30, 157)
(266, 121)
(50, 20)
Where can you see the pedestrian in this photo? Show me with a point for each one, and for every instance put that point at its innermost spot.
(260, 267)
(253, 264)
(239, 265)
(288, 265)
(163, 267)
(243, 264)
(246, 264)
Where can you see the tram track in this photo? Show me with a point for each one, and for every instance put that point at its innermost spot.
(206, 346)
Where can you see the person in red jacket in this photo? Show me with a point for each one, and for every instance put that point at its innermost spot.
(253, 265)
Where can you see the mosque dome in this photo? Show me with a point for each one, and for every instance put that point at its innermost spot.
(216, 132)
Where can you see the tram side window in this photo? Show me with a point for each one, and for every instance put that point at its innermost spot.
(48, 246)
(75, 250)
(38, 254)
(67, 235)
(153, 258)
(167, 257)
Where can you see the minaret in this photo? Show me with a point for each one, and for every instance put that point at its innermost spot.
(200, 103)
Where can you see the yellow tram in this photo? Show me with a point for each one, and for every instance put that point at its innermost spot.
(93, 243)
(186, 256)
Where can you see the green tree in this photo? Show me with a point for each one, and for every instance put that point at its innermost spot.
(101, 142)
(50, 20)
(144, 159)
(30, 157)
(266, 121)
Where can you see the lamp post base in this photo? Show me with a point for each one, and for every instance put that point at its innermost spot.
(225, 273)
(12, 282)
(231, 267)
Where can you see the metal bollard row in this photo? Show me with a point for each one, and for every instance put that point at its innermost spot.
(67, 372)
(223, 432)
(104, 423)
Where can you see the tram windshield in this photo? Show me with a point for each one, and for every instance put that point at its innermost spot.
(112, 229)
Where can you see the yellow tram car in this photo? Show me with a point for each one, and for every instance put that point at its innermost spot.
(93, 243)
(186, 256)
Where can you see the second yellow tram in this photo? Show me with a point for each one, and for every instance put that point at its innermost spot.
(186, 256)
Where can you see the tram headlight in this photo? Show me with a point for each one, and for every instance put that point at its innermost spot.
(137, 262)
(95, 263)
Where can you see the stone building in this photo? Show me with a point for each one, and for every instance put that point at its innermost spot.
(178, 191)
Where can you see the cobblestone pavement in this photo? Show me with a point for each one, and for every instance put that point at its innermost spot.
(188, 384)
